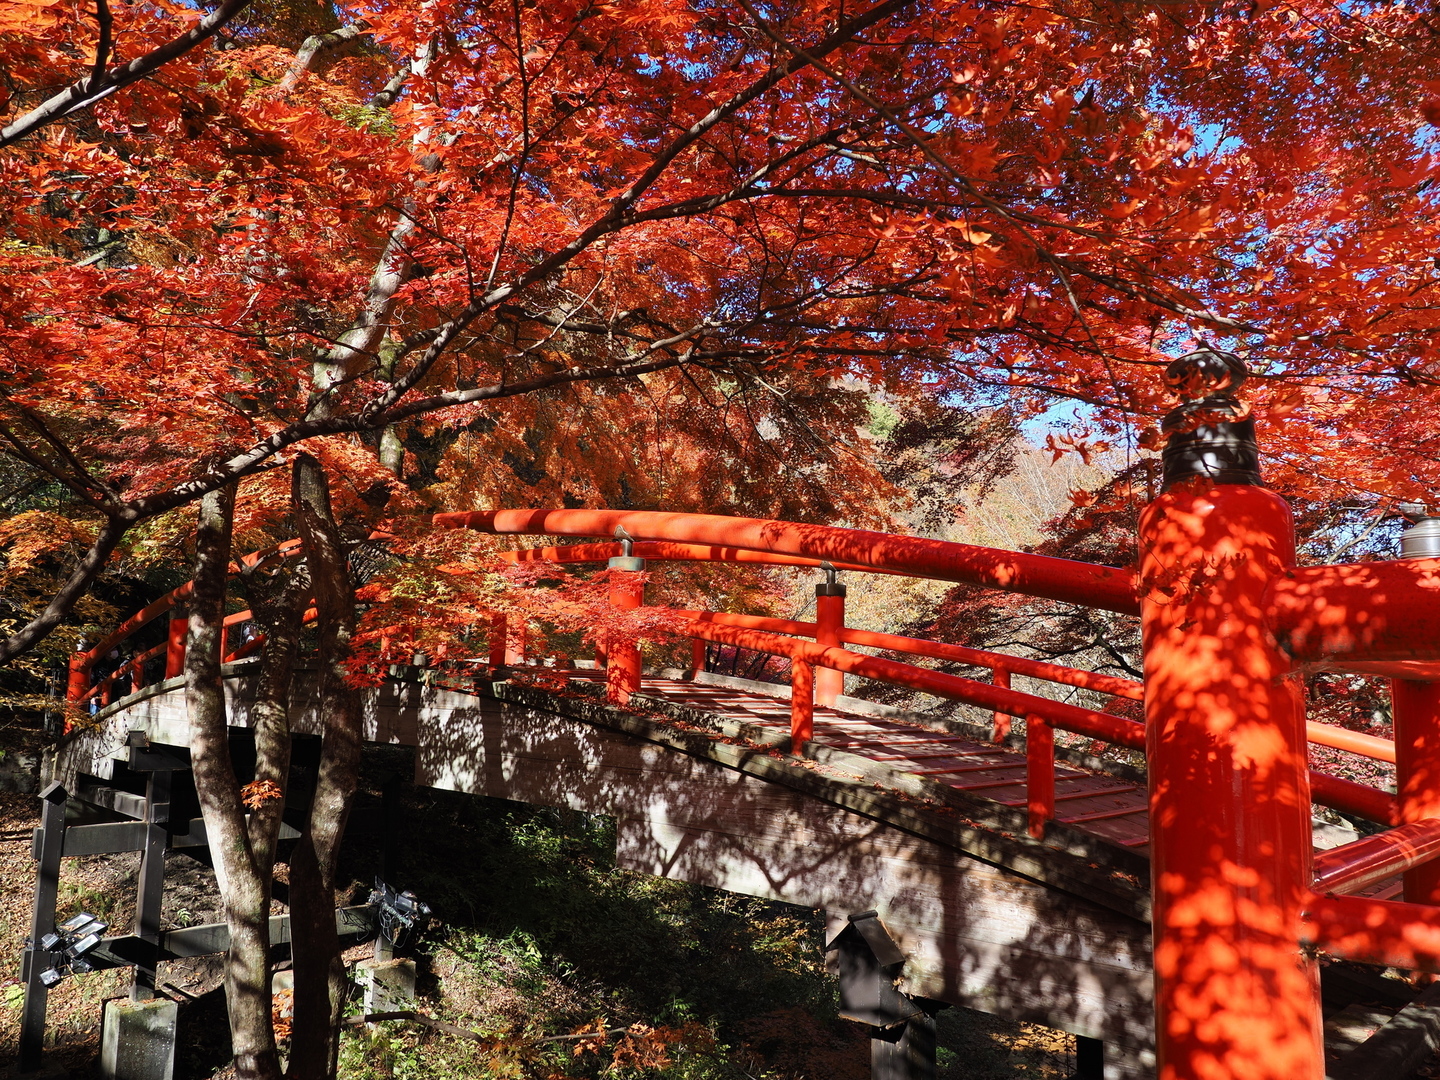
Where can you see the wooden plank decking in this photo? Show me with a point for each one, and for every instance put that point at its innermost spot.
(1112, 809)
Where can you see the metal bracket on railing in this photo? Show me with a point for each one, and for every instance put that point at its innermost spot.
(626, 560)
(831, 585)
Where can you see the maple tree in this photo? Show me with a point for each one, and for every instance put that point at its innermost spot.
(671, 254)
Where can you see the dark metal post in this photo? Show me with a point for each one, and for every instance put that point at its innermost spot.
(1089, 1059)
(152, 884)
(42, 921)
(904, 1052)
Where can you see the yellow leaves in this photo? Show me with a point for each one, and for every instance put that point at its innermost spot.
(32, 538)
(28, 16)
(968, 233)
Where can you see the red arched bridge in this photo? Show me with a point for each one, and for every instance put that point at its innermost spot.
(1018, 880)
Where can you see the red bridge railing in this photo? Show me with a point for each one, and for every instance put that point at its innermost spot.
(1218, 585)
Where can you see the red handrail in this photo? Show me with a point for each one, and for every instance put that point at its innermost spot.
(662, 551)
(1354, 742)
(1036, 575)
(1383, 615)
(1358, 865)
(1326, 790)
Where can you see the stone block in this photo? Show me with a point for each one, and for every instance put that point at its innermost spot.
(389, 986)
(137, 1040)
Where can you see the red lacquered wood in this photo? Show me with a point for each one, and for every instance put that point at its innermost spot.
(1035, 575)
(1350, 868)
(175, 648)
(499, 640)
(802, 705)
(1417, 771)
(1230, 827)
(1000, 720)
(1359, 613)
(829, 624)
(1387, 933)
(622, 658)
(1039, 773)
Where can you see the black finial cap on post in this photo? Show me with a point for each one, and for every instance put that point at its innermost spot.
(1211, 434)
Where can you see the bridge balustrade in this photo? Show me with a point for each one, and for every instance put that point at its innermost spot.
(1297, 606)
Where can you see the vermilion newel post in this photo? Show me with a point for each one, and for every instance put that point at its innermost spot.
(627, 592)
(1229, 785)
(1417, 728)
(829, 621)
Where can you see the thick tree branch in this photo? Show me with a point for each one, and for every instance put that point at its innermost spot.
(103, 45)
(76, 586)
(85, 92)
(243, 888)
(312, 46)
(320, 982)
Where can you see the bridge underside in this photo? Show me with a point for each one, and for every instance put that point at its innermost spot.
(1053, 933)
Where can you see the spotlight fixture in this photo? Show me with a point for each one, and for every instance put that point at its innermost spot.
(68, 945)
(402, 915)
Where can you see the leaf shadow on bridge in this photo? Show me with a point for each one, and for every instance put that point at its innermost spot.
(976, 934)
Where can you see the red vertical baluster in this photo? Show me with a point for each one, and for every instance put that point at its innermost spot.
(1039, 773)
(499, 627)
(802, 704)
(1417, 772)
(175, 648)
(1000, 725)
(627, 592)
(78, 680)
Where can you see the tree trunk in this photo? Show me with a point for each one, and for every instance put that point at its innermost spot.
(320, 983)
(277, 598)
(243, 889)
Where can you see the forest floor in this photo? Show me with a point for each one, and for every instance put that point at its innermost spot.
(567, 967)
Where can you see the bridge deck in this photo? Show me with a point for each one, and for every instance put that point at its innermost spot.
(1110, 809)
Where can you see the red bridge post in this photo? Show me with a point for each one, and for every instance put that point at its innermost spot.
(175, 647)
(1229, 783)
(627, 592)
(78, 680)
(1417, 729)
(1417, 772)
(829, 621)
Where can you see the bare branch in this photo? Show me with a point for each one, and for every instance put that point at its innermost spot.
(616, 218)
